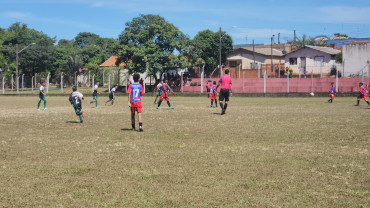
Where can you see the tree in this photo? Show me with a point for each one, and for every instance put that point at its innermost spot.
(340, 35)
(149, 43)
(306, 40)
(206, 49)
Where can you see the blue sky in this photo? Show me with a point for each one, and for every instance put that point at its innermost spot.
(244, 20)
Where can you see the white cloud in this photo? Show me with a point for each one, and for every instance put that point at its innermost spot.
(16, 15)
(343, 14)
(237, 32)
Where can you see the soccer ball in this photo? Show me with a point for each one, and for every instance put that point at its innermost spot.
(312, 94)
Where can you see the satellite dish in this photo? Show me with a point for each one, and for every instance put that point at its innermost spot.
(284, 52)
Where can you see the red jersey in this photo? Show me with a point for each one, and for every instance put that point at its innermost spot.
(136, 91)
(225, 81)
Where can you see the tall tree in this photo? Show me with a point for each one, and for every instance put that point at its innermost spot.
(149, 43)
(206, 49)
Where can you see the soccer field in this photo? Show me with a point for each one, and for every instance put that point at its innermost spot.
(264, 152)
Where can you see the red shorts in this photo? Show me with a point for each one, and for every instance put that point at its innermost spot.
(136, 107)
(164, 96)
(363, 96)
(332, 96)
(212, 96)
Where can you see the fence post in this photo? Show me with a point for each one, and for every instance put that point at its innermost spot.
(35, 80)
(89, 79)
(320, 69)
(243, 82)
(362, 76)
(201, 80)
(287, 83)
(182, 82)
(12, 81)
(264, 83)
(61, 82)
(22, 81)
(103, 76)
(47, 81)
(144, 87)
(32, 83)
(311, 81)
(109, 83)
(93, 82)
(17, 84)
(240, 66)
(337, 81)
(3, 84)
(258, 72)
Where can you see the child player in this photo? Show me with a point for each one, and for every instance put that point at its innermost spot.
(75, 99)
(362, 95)
(95, 95)
(331, 93)
(42, 96)
(213, 94)
(111, 95)
(158, 90)
(164, 94)
(135, 91)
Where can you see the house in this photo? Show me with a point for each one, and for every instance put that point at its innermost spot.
(356, 58)
(255, 61)
(312, 59)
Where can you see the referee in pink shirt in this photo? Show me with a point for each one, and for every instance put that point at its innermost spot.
(226, 90)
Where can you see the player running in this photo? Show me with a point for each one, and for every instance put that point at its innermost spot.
(331, 93)
(111, 95)
(42, 96)
(164, 94)
(135, 91)
(213, 94)
(362, 95)
(75, 99)
(226, 90)
(95, 95)
(158, 90)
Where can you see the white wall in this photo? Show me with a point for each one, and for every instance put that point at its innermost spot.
(310, 55)
(356, 58)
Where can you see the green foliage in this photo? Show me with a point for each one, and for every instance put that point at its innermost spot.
(289, 70)
(339, 57)
(149, 43)
(306, 40)
(205, 49)
(340, 35)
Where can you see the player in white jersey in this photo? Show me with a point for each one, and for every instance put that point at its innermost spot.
(95, 95)
(42, 96)
(157, 89)
(75, 99)
(112, 97)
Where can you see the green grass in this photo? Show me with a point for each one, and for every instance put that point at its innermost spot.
(265, 152)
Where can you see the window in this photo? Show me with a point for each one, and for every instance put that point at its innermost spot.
(319, 60)
(293, 61)
(232, 63)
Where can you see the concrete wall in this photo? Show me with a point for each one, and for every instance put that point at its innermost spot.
(356, 58)
(310, 55)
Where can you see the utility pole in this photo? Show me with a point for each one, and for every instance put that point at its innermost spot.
(272, 66)
(220, 54)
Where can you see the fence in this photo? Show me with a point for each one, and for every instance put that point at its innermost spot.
(284, 85)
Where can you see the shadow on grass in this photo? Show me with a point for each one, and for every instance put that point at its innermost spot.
(127, 129)
(72, 122)
(217, 113)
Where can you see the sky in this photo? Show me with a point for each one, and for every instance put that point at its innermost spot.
(244, 20)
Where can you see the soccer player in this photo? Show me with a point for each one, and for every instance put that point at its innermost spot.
(362, 95)
(213, 94)
(164, 95)
(95, 95)
(158, 90)
(208, 87)
(226, 90)
(135, 91)
(42, 96)
(111, 95)
(331, 93)
(75, 99)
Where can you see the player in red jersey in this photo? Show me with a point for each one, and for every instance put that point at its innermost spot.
(226, 90)
(362, 95)
(213, 94)
(135, 91)
(331, 93)
(164, 95)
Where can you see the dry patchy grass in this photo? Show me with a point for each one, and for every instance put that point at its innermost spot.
(265, 152)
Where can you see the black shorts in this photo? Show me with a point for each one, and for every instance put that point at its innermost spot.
(224, 94)
(95, 93)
